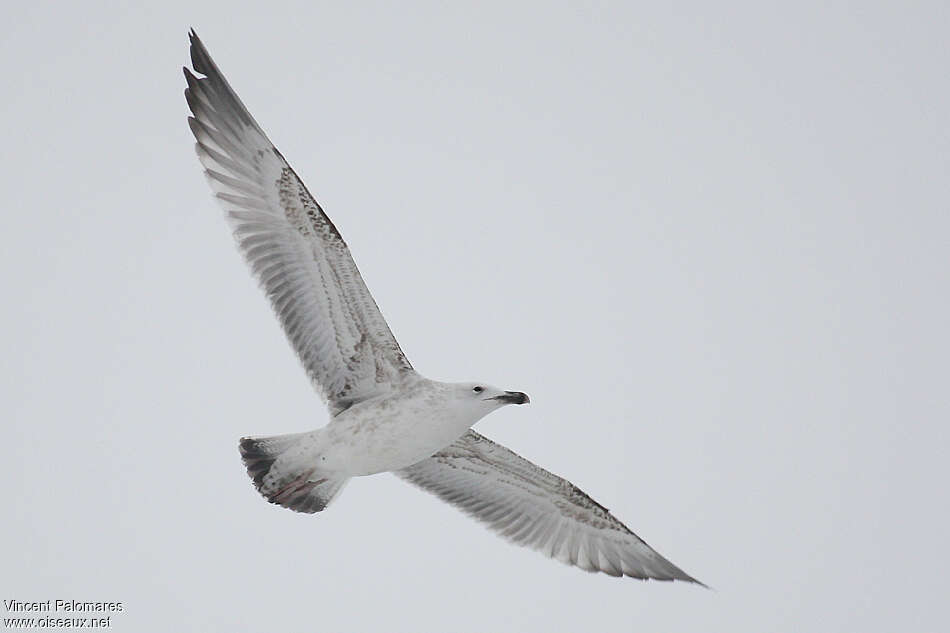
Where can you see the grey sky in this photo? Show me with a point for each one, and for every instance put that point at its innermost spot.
(709, 240)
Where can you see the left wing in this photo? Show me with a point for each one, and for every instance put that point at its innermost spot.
(530, 506)
(292, 247)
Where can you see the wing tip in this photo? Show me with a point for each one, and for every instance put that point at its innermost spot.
(690, 579)
(197, 50)
(676, 574)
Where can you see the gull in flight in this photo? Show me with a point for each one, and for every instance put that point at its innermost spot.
(384, 416)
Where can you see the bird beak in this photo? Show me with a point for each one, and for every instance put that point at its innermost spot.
(513, 397)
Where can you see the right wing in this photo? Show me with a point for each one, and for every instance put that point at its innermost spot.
(532, 507)
(294, 251)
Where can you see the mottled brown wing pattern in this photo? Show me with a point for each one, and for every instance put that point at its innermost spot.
(535, 508)
(292, 247)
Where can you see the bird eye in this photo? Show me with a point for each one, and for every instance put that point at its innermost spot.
(477, 389)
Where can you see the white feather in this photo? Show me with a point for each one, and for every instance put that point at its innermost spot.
(535, 508)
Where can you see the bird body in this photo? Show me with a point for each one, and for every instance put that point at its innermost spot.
(393, 430)
(397, 430)
(384, 416)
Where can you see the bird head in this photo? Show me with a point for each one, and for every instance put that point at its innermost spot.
(483, 395)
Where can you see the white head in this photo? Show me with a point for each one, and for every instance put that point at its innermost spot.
(478, 399)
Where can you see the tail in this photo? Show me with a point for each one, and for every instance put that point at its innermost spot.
(288, 477)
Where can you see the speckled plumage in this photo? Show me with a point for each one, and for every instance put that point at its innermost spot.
(384, 415)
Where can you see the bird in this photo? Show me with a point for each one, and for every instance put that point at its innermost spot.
(384, 415)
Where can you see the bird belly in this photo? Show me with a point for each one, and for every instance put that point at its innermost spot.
(367, 441)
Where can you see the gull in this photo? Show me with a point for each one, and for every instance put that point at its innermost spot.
(384, 416)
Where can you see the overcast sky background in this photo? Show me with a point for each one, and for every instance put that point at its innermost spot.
(710, 240)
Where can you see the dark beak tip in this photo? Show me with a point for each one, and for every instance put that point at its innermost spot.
(513, 397)
(518, 397)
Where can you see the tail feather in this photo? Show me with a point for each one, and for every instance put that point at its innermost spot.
(260, 453)
(291, 482)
